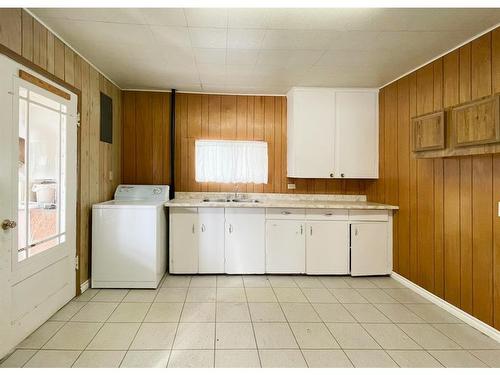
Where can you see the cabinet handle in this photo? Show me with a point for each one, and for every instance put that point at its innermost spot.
(328, 214)
(230, 228)
(311, 230)
(285, 212)
(301, 229)
(341, 175)
(355, 231)
(331, 174)
(192, 229)
(203, 227)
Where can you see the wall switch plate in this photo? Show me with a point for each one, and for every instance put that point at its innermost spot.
(110, 175)
(292, 186)
(498, 209)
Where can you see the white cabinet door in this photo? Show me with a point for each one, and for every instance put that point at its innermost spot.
(327, 247)
(211, 240)
(369, 249)
(285, 246)
(310, 132)
(356, 134)
(245, 240)
(183, 240)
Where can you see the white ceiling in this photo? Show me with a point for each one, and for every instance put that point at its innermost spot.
(261, 50)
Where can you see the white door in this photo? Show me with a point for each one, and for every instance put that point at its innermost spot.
(211, 240)
(245, 240)
(37, 204)
(369, 249)
(327, 247)
(311, 131)
(183, 240)
(285, 246)
(356, 127)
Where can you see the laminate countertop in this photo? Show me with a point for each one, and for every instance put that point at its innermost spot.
(276, 201)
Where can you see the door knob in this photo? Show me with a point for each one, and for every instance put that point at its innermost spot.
(8, 224)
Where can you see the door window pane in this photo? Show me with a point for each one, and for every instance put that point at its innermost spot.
(42, 164)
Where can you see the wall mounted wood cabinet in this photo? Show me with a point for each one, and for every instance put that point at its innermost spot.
(476, 123)
(332, 133)
(429, 132)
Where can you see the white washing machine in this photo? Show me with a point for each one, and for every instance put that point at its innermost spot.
(129, 238)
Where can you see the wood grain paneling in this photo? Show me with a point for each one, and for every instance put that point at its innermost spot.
(31, 40)
(146, 137)
(448, 230)
(241, 117)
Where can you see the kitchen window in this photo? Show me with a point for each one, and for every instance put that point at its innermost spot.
(231, 161)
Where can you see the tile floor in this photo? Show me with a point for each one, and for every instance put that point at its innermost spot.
(256, 321)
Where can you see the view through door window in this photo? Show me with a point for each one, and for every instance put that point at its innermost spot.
(41, 173)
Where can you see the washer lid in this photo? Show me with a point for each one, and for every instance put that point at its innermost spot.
(129, 204)
(142, 192)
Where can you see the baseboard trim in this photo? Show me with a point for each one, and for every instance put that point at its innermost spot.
(84, 286)
(455, 311)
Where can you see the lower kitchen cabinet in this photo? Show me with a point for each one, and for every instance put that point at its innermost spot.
(211, 240)
(285, 246)
(370, 249)
(327, 244)
(245, 241)
(183, 240)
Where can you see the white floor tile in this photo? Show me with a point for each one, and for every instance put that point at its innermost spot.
(67, 311)
(154, 336)
(333, 282)
(290, 295)
(171, 295)
(256, 281)
(236, 358)
(234, 336)
(352, 336)
(348, 296)
(398, 313)
(432, 313)
(100, 359)
(365, 313)
(274, 336)
(163, 312)
(413, 358)
(282, 282)
(456, 358)
(313, 336)
(197, 312)
(53, 359)
(260, 295)
(370, 358)
(146, 359)
(326, 358)
(232, 312)
(176, 282)
(114, 336)
(73, 336)
(300, 312)
(141, 295)
(38, 338)
(231, 295)
(282, 358)
(130, 312)
(390, 336)
(376, 296)
(333, 312)
(266, 312)
(191, 358)
(201, 295)
(467, 337)
(315, 295)
(18, 358)
(428, 337)
(95, 312)
(203, 282)
(110, 295)
(229, 281)
(490, 357)
(405, 296)
(195, 336)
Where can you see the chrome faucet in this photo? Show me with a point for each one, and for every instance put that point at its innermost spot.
(236, 191)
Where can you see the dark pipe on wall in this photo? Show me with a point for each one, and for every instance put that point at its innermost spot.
(172, 144)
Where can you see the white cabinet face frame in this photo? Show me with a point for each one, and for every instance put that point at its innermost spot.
(285, 246)
(211, 240)
(183, 240)
(310, 132)
(245, 241)
(356, 133)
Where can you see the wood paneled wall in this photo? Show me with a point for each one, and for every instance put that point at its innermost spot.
(146, 137)
(200, 116)
(447, 232)
(100, 163)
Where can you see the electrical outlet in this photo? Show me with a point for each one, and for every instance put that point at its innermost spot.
(110, 175)
(498, 209)
(292, 186)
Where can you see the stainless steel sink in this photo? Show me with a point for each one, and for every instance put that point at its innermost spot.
(242, 200)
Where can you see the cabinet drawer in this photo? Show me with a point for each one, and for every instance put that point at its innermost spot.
(285, 213)
(326, 214)
(368, 215)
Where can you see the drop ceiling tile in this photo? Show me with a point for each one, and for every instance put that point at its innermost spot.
(214, 17)
(213, 79)
(208, 37)
(249, 18)
(164, 16)
(210, 56)
(318, 19)
(245, 38)
(289, 57)
(211, 68)
(119, 15)
(171, 36)
(297, 39)
(242, 56)
(355, 40)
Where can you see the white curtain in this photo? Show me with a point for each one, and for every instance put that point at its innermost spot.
(231, 161)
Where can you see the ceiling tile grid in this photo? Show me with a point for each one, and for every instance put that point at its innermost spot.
(264, 51)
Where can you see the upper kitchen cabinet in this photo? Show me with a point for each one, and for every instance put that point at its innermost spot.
(332, 133)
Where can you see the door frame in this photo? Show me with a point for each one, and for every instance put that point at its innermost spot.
(51, 77)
